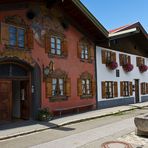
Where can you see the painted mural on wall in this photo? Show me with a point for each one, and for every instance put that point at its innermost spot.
(20, 55)
(46, 21)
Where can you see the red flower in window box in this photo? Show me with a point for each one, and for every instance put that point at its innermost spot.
(143, 68)
(112, 65)
(128, 67)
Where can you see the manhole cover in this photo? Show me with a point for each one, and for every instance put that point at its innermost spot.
(116, 144)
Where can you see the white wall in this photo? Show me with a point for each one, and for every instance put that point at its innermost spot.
(104, 74)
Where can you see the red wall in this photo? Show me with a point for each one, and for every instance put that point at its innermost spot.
(72, 65)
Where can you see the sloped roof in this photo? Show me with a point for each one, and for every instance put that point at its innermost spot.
(127, 27)
(119, 29)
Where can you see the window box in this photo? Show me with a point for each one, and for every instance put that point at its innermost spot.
(112, 65)
(128, 67)
(143, 68)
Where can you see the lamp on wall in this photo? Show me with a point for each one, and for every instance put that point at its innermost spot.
(48, 69)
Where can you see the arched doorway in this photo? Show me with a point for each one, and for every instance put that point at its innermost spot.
(15, 90)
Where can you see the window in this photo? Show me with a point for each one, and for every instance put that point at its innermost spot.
(56, 46)
(140, 61)
(86, 86)
(84, 52)
(57, 87)
(124, 59)
(108, 56)
(109, 89)
(16, 36)
(126, 88)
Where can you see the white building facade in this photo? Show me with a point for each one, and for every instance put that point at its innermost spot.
(124, 84)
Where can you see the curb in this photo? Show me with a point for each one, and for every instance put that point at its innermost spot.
(68, 123)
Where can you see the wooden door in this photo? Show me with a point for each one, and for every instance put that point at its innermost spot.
(136, 90)
(5, 100)
(25, 99)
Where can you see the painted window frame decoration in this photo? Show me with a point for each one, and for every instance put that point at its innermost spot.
(16, 38)
(109, 58)
(125, 62)
(58, 91)
(85, 50)
(140, 61)
(12, 38)
(126, 88)
(86, 86)
(55, 48)
(109, 89)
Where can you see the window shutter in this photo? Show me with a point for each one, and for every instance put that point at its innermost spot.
(103, 90)
(47, 44)
(138, 61)
(29, 38)
(93, 88)
(121, 88)
(113, 56)
(129, 59)
(89, 53)
(121, 59)
(68, 87)
(131, 89)
(92, 52)
(64, 48)
(79, 87)
(103, 56)
(48, 87)
(79, 50)
(143, 61)
(5, 33)
(115, 89)
(147, 88)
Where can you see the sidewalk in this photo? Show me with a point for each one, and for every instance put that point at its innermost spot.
(25, 127)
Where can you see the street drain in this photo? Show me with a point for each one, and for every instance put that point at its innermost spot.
(116, 144)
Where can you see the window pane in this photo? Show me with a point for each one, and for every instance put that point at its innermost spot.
(54, 81)
(54, 86)
(58, 41)
(21, 32)
(86, 51)
(58, 46)
(86, 56)
(60, 81)
(58, 52)
(12, 34)
(52, 40)
(53, 45)
(53, 51)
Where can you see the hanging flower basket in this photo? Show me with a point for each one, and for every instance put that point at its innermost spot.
(112, 65)
(143, 68)
(128, 67)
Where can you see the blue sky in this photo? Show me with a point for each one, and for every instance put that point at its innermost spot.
(115, 13)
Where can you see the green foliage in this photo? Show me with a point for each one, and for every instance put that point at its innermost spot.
(44, 114)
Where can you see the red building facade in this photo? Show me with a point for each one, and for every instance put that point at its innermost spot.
(46, 57)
